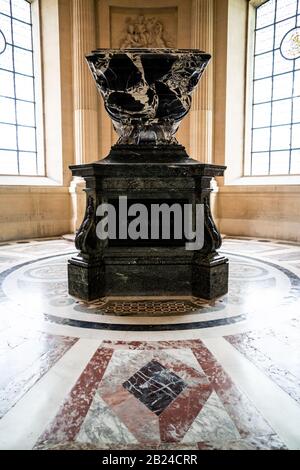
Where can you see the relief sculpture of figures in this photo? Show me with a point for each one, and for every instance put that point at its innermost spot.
(145, 32)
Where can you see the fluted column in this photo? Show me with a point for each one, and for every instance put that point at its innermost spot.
(202, 103)
(85, 100)
(85, 95)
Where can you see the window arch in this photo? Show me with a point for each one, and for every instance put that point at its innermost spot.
(275, 122)
(18, 108)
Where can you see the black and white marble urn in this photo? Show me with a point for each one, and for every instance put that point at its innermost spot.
(147, 92)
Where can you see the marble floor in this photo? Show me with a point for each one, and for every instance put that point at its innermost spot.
(155, 373)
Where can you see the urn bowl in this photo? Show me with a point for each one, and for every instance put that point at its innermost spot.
(147, 92)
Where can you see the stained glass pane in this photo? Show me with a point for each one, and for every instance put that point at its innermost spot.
(283, 86)
(263, 65)
(281, 137)
(261, 115)
(285, 9)
(5, 7)
(7, 110)
(26, 138)
(279, 163)
(24, 88)
(297, 84)
(266, 14)
(23, 61)
(262, 90)
(282, 112)
(295, 162)
(8, 136)
(22, 34)
(260, 140)
(281, 65)
(5, 26)
(264, 39)
(296, 136)
(260, 163)
(27, 163)
(281, 29)
(6, 61)
(8, 162)
(6, 83)
(21, 10)
(25, 113)
(296, 110)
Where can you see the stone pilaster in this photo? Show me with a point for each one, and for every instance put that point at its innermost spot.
(85, 95)
(201, 132)
(85, 98)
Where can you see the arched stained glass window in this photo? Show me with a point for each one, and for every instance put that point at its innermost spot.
(275, 142)
(18, 120)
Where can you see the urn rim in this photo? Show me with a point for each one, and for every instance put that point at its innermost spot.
(144, 50)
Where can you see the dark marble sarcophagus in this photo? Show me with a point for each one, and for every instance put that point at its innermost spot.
(147, 93)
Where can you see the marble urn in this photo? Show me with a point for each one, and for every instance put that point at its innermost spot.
(147, 92)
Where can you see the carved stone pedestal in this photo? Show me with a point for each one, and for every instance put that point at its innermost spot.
(147, 174)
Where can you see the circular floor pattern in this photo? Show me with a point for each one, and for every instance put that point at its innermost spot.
(259, 291)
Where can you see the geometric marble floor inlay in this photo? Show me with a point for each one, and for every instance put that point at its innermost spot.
(155, 386)
(151, 372)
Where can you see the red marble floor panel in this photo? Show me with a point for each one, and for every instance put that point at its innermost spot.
(140, 421)
(243, 413)
(126, 418)
(179, 416)
(277, 355)
(69, 419)
(24, 361)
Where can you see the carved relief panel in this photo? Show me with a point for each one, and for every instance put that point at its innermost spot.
(141, 27)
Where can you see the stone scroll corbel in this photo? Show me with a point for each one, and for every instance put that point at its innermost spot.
(86, 238)
(212, 236)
